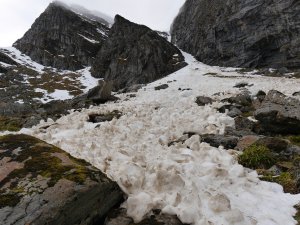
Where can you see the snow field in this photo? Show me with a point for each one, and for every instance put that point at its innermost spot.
(200, 184)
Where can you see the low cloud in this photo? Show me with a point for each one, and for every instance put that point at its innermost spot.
(17, 16)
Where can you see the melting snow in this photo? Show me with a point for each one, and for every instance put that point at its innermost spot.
(201, 184)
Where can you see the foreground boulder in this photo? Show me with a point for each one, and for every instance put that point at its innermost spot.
(279, 114)
(135, 54)
(217, 32)
(41, 184)
(101, 93)
(63, 39)
(119, 217)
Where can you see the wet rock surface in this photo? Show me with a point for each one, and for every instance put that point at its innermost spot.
(217, 32)
(31, 171)
(135, 54)
(63, 39)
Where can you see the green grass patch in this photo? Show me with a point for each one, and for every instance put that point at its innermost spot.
(286, 180)
(295, 140)
(10, 123)
(257, 157)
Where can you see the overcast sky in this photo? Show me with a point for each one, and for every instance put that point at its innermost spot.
(16, 16)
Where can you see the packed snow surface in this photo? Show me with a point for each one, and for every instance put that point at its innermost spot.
(200, 184)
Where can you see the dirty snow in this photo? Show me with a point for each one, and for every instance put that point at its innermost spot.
(200, 184)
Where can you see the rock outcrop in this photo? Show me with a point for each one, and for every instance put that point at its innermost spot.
(63, 39)
(119, 217)
(41, 184)
(256, 33)
(279, 114)
(4, 58)
(134, 54)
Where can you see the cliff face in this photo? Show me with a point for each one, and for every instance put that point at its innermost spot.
(243, 33)
(63, 39)
(135, 54)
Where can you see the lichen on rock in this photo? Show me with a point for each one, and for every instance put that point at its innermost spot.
(32, 171)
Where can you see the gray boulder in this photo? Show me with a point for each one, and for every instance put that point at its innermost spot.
(41, 184)
(279, 114)
(215, 140)
(6, 59)
(119, 217)
(63, 39)
(101, 93)
(135, 54)
(203, 100)
(255, 33)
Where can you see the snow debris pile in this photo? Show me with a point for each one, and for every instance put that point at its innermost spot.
(201, 184)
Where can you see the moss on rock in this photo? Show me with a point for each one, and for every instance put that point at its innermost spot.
(257, 157)
(41, 161)
(10, 123)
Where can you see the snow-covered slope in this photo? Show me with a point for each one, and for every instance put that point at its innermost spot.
(36, 82)
(201, 184)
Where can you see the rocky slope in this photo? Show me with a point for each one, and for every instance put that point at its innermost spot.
(256, 33)
(39, 181)
(63, 39)
(134, 54)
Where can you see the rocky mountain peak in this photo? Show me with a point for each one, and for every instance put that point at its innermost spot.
(63, 39)
(135, 54)
(256, 33)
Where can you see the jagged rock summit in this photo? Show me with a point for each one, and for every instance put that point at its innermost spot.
(64, 38)
(135, 54)
(244, 33)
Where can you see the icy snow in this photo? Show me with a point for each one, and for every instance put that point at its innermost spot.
(200, 184)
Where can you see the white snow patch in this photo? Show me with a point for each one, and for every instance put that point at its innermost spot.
(60, 94)
(5, 64)
(24, 59)
(88, 39)
(87, 79)
(102, 32)
(200, 184)
(20, 101)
